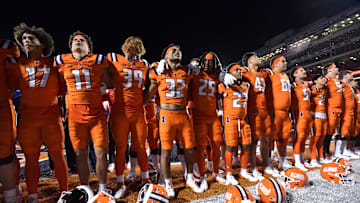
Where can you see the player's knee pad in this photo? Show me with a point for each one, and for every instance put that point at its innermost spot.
(246, 147)
(133, 154)
(7, 160)
(230, 148)
(154, 151)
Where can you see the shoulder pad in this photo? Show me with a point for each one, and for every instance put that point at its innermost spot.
(59, 60)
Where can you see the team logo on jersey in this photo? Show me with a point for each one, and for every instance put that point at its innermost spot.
(79, 64)
(163, 119)
(227, 120)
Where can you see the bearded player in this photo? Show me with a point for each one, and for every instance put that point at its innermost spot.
(172, 81)
(207, 125)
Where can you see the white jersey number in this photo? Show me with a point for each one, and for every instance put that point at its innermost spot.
(86, 73)
(132, 74)
(175, 92)
(32, 76)
(210, 84)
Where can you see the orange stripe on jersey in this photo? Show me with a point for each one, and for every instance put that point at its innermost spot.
(235, 100)
(128, 82)
(83, 78)
(204, 94)
(173, 85)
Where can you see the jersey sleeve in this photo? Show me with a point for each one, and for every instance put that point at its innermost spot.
(153, 75)
(9, 48)
(102, 61)
(12, 71)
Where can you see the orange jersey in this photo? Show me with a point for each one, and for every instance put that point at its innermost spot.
(334, 93)
(204, 94)
(302, 94)
(173, 85)
(128, 82)
(83, 78)
(235, 100)
(318, 99)
(349, 95)
(7, 49)
(279, 89)
(257, 87)
(38, 82)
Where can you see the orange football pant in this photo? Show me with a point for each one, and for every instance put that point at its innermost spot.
(316, 141)
(176, 124)
(207, 130)
(281, 127)
(31, 134)
(334, 118)
(121, 125)
(260, 122)
(303, 128)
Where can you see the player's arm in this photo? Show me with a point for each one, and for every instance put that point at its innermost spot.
(150, 90)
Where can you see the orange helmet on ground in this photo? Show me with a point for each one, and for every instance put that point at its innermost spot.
(238, 193)
(335, 173)
(293, 178)
(102, 197)
(153, 193)
(270, 190)
(344, 163)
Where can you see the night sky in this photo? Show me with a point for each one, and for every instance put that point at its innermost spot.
(229, 29)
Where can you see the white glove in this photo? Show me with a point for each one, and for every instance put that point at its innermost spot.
(229, 79)
(161, 66)
(220, 113)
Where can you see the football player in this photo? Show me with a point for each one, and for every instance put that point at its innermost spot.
(318, 103)
(172, 82)
(301, 106)
(237, 130)
(258, 114)
(335, 105)
(347, 119)
(9, 165)
(40, 120)
(278, 93)
(83, 73)
(128, 74)
(207, 126)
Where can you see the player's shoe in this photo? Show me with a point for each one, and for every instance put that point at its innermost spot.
(230, 179)
(120, 191)
(190, 183)
(219, 179)
(248, 176)
(301, 166)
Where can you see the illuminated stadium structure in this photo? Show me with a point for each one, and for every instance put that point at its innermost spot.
(335, 39)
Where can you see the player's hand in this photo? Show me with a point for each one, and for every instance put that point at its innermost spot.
(161, 66)
(229, 79)
(220, 113)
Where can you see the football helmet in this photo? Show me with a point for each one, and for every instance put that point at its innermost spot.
(344, 163)
(238, 193)
(102, 197)
(81, 194)
(152, 193)
(293, 178)
(335, 173)
(270, 190)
